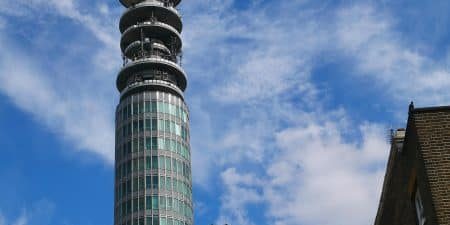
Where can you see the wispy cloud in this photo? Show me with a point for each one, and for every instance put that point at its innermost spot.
(370, 37)
(80, 119)
(239, 192)
(267, 56)
(63, 101)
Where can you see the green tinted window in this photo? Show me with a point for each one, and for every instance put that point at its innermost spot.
(148, 142)
(167, 126)
(161, 125)
(175, 183)
(135, 108)
(173, 146)
(154, 124)
(177, 129)
(135, 127)
(166, 107)
(129, 111)
(175, 205)
(154, 143)
(162, 182)
(172, 127)
(148, 183)
(135, 205)
(161, 162)
(174, 165)
(163, 221)
(155, 182)
(148, 125)
(154, 162)
(154, 107)
(141, 107)
(169, 184)
(141, 144)
(135, 184)
(161, 144)
(168, 164)
(162, 203)
(160, 107)
(135, 164)
(141, 204)
(141, 164)
(141, 183)
(155, 203)
(147, 106)
(177, 168)
(128, 167)
(148, 163)
(148, 203)
(135, 145)
(128, 187)
(166, 144)
(141, 125)
(128, 206)
(178, 148)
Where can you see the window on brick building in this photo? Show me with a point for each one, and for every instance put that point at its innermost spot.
(419, 208)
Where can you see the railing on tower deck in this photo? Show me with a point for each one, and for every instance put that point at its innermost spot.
(143, 55)
(154, 23)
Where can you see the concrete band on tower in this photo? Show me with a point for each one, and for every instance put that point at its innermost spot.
(153, 182)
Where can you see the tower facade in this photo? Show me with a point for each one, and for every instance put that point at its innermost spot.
(153, 184)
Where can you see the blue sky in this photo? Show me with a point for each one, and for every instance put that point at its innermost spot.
(291, 103)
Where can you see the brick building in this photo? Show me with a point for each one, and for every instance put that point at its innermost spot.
(416, 189)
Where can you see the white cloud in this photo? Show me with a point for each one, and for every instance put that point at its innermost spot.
(240, 191)
(381, 54)
(103, 9)
(84, 121)
(268, 51)
(319, 178)
(100, 27)
(252, 54)
(51, 96)
(333, 177)
(313, 173)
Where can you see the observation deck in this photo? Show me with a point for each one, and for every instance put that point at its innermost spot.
(145, 67)
(147, 47)
(153, 30)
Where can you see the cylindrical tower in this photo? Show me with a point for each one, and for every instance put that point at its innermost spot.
(153, 184)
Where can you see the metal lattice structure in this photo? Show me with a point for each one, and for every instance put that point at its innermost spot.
(153, 183)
